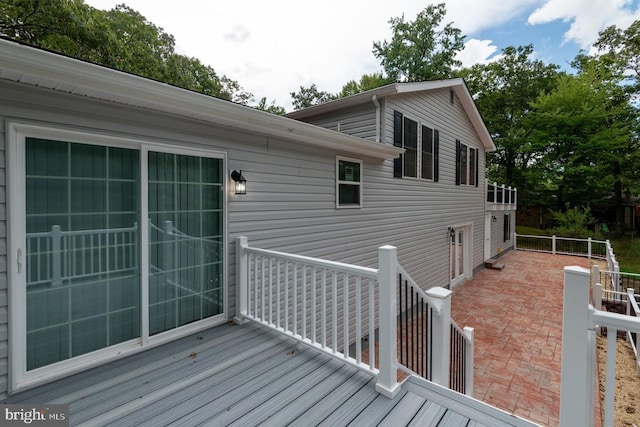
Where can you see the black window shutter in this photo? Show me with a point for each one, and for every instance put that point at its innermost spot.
(457, 162)
(397, 142)
(477, 175)
(436, 154)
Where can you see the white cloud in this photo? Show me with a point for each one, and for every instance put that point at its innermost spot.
(477, 52)
(238, 34)
(472, 16)
(587, 17)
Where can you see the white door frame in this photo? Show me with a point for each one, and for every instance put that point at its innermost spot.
(19, 377)
(458, 272)
(487, 235)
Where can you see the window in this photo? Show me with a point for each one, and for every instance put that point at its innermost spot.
(348, 183)
(466, 164)
(421, 145)
(507, 228)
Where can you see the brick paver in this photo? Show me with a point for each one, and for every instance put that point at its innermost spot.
(517, 317)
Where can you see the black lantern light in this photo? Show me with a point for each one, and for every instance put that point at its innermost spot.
(241, 183)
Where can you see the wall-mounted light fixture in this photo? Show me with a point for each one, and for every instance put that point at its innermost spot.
(494, 219)
(241, 183)
(452, 231)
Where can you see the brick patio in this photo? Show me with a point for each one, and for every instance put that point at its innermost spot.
(517, 316)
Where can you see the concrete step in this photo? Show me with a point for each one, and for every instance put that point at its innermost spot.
(493, 264)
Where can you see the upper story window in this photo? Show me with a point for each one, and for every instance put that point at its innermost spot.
(466, 164)
(348, 183)
(421, 145)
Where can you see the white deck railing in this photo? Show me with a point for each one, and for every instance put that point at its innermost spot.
(336, 308)
(580, 320)
(563, 246)
(500, 197)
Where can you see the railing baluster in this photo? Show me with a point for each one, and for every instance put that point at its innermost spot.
(345, 313)
(314, 306)
(334, 311)
(295, 298)
(323, 310)
(358, 320)
(304, 301)
(372, 326)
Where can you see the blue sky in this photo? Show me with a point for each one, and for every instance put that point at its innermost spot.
(272, 48)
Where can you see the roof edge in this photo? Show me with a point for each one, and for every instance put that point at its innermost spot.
(37, 67)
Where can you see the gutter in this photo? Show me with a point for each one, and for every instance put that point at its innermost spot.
(40, 68)
(374, 99)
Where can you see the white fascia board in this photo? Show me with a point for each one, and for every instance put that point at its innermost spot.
(42, 68)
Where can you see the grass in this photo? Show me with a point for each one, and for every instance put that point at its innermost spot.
(626, 248)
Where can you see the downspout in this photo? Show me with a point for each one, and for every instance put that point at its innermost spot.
(374, 99)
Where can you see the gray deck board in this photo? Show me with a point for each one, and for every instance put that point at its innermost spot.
(248, 375)
(429, 415)
(404, 411)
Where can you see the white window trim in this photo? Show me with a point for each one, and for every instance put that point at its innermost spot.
(21, 379)
(338, 182)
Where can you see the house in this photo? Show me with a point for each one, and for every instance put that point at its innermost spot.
(120, 213)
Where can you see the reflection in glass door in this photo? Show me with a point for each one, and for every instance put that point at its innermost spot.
(185, 247)
(82, 252)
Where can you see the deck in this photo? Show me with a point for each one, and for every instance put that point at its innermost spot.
(248, 375)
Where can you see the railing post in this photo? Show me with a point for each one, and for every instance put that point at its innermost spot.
(515, 241)
(503, 195)
(242, 276)
(553, 244)
(56, 256)
(577, 382)
(495, 193)
(387, 383)
(468, 357)
(441, 299)
(589, 249)
(597, 302)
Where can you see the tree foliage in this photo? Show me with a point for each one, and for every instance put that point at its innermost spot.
(367, 82)
(272, 108)
(503, 91)
(573, 222)
(309, 96)
(119, 38)
(420, 50)
(584, 133)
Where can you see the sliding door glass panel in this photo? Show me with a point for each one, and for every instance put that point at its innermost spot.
(186, 238)
(83, 251)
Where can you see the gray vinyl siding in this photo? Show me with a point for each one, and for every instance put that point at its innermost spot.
(441, 203)
(290, 200)
(357, 121)
(498, 244)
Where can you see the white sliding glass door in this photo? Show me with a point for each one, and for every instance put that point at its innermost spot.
(185, 257)
(114, 244)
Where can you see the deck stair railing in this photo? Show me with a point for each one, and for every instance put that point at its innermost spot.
(580, 322)
(347, 311)
(430, 343)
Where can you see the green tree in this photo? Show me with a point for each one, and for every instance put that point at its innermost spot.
(621, 48)
(421, 50)
(309, 96)
(270, 107)
(503, 91)
(584, 129)
(119, 38)
(367, 82)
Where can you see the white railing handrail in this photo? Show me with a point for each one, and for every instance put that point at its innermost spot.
(580, 321)
(279, 290)
(370, 273)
